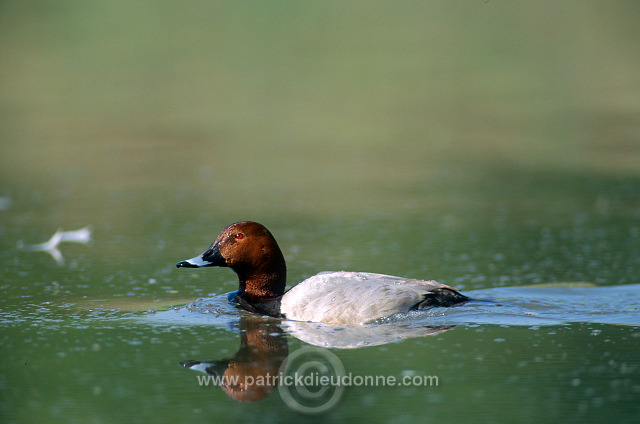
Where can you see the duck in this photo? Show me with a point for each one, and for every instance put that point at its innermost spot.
(335, 297)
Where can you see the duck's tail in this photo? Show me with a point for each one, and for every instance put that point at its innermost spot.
(441, 297)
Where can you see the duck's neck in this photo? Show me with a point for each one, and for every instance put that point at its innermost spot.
(263, 281)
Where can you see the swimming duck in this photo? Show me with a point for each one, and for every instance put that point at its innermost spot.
(252, 252)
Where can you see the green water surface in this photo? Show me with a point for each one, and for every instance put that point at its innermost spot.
(480, 144)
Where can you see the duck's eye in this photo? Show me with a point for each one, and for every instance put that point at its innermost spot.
(239, 236)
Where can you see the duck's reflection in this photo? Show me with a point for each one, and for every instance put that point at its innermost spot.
(251, 374)
(356, 336)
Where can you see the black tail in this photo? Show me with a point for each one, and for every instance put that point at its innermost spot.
(441, 297)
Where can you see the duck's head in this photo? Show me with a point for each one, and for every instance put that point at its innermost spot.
(250, 250)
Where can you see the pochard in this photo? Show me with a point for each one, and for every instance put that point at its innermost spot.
(250, 250)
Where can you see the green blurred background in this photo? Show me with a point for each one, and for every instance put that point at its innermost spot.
(318, 107)
(480, 143)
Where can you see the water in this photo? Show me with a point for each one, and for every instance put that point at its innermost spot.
(491, 147)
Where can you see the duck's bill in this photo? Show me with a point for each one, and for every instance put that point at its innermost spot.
(210, 257)
(196, 262)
